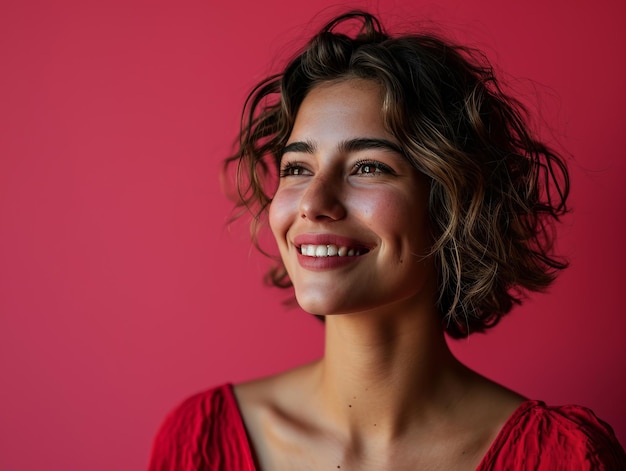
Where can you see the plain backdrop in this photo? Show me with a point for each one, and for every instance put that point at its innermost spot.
(122, 288)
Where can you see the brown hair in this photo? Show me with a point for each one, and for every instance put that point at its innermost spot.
(495, 189)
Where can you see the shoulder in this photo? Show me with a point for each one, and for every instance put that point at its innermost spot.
(198, 432)
(540, 437)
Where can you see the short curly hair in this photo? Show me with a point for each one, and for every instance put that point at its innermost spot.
(495, 189)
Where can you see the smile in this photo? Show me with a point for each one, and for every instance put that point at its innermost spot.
(330, 250)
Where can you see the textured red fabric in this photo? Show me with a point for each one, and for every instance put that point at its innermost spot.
(564, 438)
(206, 433)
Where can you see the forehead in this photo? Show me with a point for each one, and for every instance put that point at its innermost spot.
(341, 110)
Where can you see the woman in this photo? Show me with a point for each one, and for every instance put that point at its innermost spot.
(412, 200)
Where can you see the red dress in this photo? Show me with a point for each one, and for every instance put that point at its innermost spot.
(206, 433)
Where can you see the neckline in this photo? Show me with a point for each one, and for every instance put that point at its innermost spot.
(504, 432)
(241, 427)
(485, 461)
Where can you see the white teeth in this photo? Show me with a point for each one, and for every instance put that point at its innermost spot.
(329, 250)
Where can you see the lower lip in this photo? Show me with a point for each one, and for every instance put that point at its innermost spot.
(325, 263)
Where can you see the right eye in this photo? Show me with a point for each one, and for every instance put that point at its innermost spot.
(292, 169)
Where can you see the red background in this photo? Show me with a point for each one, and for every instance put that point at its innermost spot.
(122, 290)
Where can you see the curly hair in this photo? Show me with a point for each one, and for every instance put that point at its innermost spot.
(495, 189)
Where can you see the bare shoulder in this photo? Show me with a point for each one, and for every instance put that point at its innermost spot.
(276, 392)
(275, 405)
(487, 403)
(481, 414)
(492, 401)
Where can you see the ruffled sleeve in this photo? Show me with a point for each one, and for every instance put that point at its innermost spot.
(204, 433)
(538, 437)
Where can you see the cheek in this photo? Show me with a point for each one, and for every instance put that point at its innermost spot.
(398, 218)
(281, 213)
(274, 221)
(383, 209)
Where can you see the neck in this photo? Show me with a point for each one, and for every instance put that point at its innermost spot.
(382, 372)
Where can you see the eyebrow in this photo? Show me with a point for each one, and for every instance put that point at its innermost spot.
(303, 147)
(347, 146)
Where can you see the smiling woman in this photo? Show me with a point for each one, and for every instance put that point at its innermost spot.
(412, 200)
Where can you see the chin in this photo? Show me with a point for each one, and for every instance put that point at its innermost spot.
(323, 306)
(315, 307)
(318, 306)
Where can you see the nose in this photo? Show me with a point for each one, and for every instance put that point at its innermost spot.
(323, 200)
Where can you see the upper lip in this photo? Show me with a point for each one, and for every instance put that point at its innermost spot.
(329, 239)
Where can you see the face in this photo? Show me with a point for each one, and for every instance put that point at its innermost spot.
(350, 214)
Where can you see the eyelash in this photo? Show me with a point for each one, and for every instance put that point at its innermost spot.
(379, 167)
(286, 169)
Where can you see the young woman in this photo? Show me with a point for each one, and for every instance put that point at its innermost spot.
(412, 200)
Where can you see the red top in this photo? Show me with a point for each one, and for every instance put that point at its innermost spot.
(206, 433)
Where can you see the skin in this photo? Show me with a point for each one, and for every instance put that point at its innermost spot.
(387, 394)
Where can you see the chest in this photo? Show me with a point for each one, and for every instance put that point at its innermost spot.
(313, 451)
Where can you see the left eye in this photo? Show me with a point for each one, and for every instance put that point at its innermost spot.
(370, 168)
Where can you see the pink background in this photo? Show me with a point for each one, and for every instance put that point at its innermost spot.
(122, 291)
